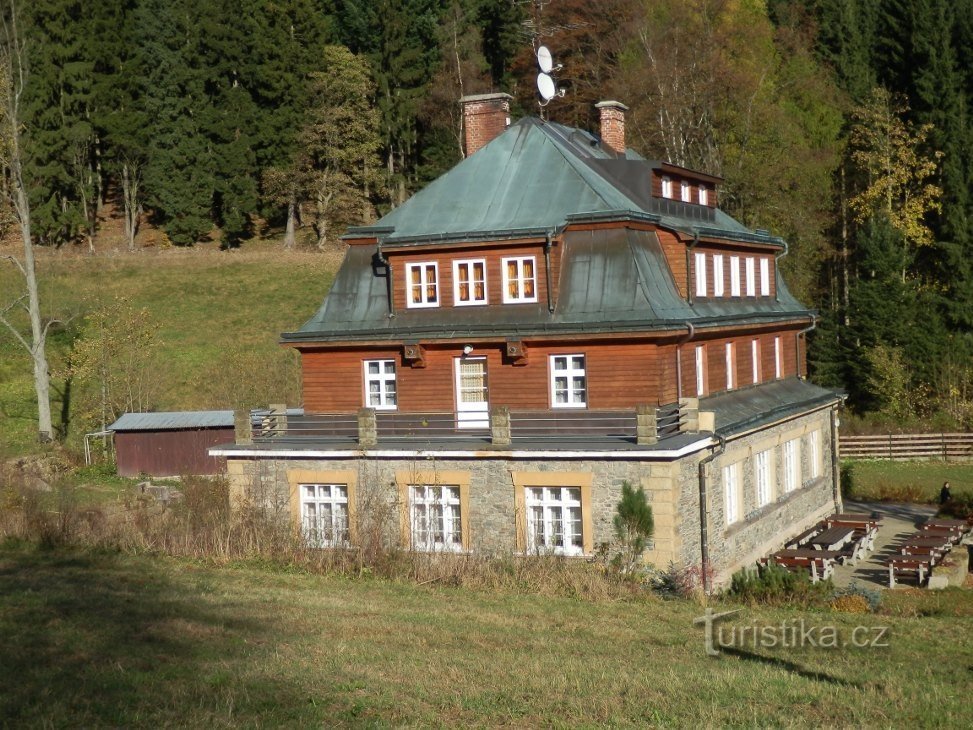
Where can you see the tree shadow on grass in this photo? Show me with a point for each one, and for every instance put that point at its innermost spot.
(102, 639)
(789, 666)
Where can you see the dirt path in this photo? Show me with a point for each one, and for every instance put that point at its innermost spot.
(898, 521)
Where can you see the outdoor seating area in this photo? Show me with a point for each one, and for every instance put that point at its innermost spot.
(839, 539)
(923, 550)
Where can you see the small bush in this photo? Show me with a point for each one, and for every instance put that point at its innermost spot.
(773, 585)
(960, 507)
(871, 596)
(680, 582)
(850, 604)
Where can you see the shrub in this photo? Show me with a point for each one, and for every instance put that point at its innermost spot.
(850, 604)
(871, 597)
(960, 507)
(776, 586)
(680, 582)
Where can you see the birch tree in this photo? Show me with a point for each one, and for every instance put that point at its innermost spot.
(13, 80)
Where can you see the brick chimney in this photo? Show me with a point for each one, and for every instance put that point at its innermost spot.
(485, 116)
(613, 125)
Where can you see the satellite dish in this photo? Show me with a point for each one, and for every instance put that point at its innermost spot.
(544, 59)
(545, 87)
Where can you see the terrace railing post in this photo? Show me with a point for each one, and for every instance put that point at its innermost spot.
(243, 427)
(367, 428)
(500, 434)
(646, 425)
(278, 419)
(689, 415)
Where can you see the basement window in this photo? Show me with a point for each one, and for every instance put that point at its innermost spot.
(324, 514)
(423, 284)
(435, 518)
(554, 520)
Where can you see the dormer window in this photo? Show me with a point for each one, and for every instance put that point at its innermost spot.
(685, 191)
(666, 186)
(703, 195)
(423, 281)
(519, 280)
(469, 282)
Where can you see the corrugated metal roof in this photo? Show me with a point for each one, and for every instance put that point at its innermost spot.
(173, 420)
(741, 410)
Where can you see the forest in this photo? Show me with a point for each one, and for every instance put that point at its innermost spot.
(845, 126)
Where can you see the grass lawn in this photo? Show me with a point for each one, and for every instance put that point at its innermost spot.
(220, 313)
(904, 481)
(94, 639)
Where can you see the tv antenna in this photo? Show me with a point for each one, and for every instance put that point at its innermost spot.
(546, 86)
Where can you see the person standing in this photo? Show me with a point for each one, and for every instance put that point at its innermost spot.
(944, 494)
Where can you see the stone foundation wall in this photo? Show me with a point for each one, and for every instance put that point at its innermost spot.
(672, 488)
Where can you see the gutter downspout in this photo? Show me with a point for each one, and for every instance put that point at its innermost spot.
(689, 261)
(389, 280)
(797, 345)
(547, 266)
(835, 470)
(690, 333)
(703, 527)
(777, 259)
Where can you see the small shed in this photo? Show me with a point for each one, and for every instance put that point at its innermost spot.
(171, 444)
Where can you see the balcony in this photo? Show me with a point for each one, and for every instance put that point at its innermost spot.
(642, 425)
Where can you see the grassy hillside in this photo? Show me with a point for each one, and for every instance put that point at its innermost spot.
(219, 315)
(96, 639)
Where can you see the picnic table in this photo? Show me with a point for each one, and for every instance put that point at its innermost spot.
(820, 563)
(909, 564)
(923, 540)
(832, 539)
(803, 538)
(850, 518)
(953, 536)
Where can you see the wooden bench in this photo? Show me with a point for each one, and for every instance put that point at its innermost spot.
(933, 552)
(852, 520)
(960, 527)
(918, 566)
(954, 536)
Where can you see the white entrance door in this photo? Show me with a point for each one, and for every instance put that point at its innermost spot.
(472, 410)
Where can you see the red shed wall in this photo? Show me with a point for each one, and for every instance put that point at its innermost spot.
(170, 453)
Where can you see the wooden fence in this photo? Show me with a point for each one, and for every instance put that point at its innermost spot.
(941, 446)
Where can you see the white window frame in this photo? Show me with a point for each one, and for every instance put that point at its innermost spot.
(435, 517)
(731, 493)
(666, 187)
(762, 477)
(686, 192)
(751, 274)
(791, 463)
(778, 359)
(719, 289)
(755, 359)
(730, 366)
(569, 372)
(700, 371)
(314, 498)
(469, 265)
(700, 273)
(520, 279)
(387, 397)
(548, 510)
(765, 277)
(424, 284)
(734, 276)
(703, 195)
(814, 453)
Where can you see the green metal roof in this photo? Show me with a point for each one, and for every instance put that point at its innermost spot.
(739, 411)
(535, 178)
(611, 280)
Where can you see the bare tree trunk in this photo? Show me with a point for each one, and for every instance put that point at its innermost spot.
(844, 248)
(130, 200)
(13, 67)
(289, 229)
